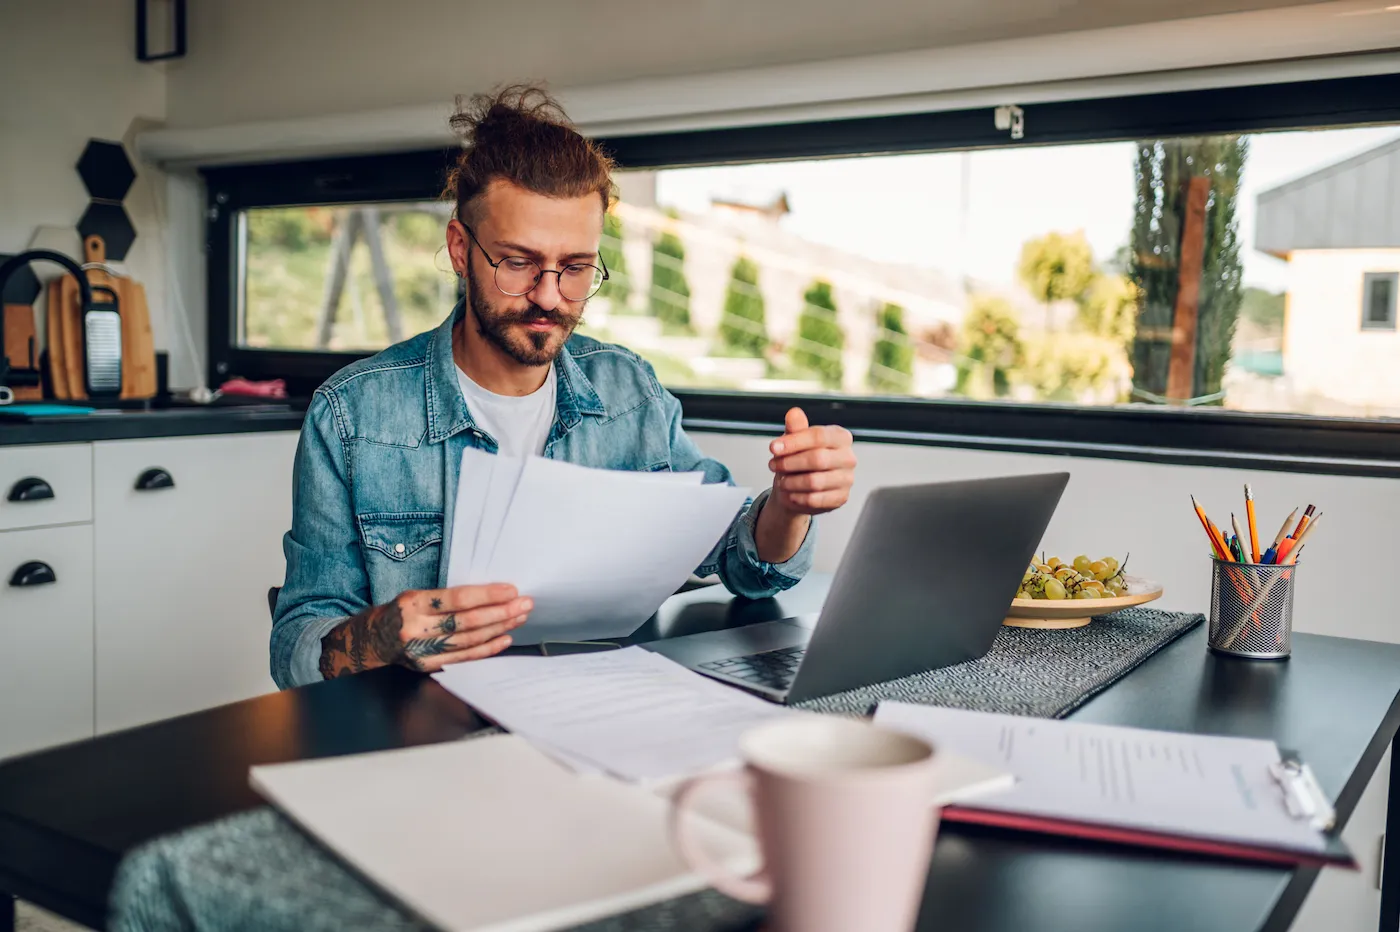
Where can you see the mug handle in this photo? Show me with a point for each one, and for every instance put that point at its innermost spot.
(6, 395)
(757, 888)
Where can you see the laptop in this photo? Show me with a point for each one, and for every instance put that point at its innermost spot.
(924, 583)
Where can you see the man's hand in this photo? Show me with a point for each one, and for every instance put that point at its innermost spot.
(425, 630)
(813, 470)
(814, 466)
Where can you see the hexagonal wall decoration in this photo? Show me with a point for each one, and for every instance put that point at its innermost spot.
(106, 171)
(23, 286)
(110, 222)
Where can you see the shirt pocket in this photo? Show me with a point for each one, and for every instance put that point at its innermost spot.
(401, 551)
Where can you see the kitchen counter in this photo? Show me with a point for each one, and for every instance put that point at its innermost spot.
(138, 423)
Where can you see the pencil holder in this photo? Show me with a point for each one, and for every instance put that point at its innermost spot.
(1251, 609)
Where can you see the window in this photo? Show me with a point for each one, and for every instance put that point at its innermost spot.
(1378, 300)
(1101, 272)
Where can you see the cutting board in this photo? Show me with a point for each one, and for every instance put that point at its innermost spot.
(65, 323)
(20, 346)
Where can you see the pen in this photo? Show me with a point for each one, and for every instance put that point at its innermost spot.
(1292, 556)
(1253, 528)
(1302, 523)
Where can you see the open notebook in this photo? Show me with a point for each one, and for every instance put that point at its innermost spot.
(491, 834)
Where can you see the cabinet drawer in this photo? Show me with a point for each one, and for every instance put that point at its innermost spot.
(67, 471)
(46, 690)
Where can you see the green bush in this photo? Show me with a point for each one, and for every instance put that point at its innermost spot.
(670, 293)
(743, 329)
(990, 348)
(820, 339)
(892, 362)
(618, 288)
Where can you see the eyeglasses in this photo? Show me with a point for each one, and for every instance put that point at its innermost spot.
(517, 275)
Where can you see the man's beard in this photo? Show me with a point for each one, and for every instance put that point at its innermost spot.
(529, 348)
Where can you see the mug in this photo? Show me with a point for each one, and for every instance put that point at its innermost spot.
(7, 395)
(845, 821)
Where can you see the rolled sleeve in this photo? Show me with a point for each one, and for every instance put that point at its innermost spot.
(735, 558)
(326, 580)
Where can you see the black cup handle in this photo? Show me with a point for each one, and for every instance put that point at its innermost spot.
(154, 478)
(33, 573)
(30, 489)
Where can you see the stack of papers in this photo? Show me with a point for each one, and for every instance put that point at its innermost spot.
(1205, 793)
(628, 713)
(489, 834)
(598, 550)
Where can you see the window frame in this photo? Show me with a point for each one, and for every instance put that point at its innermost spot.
(1367, 324)
(1206, 436)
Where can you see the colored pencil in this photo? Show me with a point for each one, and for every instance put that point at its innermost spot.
(1253, 527)
(1215, 544)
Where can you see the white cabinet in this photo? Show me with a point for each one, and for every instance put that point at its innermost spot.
(45, 485)
(45, 637)
(182, 570)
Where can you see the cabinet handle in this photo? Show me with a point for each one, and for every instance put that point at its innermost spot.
(154, 478)
(33, 573)
(30, 489)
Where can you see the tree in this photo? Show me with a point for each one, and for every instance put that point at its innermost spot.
(670, 293)
(1056, 267)
(618, 288)
(892, 362)
(820, 338)
(1164, 168)
(1108, 309)
(743, 329)
(990, 348)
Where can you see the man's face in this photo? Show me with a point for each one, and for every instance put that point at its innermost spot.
(553, 232)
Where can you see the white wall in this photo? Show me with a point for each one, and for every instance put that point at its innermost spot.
(1325, 351)
(69, 73)
(1114, 506)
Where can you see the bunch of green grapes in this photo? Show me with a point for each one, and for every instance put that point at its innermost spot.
(1081, 579)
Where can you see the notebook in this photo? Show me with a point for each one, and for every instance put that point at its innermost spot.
(490, 834)
(1209, 794)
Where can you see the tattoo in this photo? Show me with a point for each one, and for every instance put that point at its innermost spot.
(367, 639)
(448, 624)
(425, 647)
(437, 604)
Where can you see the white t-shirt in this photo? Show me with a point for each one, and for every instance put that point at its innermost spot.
(519, 423)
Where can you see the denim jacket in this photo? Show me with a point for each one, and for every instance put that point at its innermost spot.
(377, 469)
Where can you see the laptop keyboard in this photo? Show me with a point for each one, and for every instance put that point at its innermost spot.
(774, 669)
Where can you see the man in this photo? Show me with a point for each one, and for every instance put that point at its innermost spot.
(378, 463)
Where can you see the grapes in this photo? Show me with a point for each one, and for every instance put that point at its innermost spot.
(1081, 578)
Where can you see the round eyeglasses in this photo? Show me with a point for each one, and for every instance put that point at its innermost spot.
(516, 275)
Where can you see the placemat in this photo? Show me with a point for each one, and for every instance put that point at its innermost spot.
(257, 871)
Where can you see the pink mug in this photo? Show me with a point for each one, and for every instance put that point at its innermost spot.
(845, 821)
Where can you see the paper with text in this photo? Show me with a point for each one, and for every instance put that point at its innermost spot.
(1202, 786)
(597, 550)
(629, 712)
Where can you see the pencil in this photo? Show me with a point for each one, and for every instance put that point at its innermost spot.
(1253, 528)
(1205, 523)
(1239, 537)
(1302, 522)
(1224, 549)
(1283, 531)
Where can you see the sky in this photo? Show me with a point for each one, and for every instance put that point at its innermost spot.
(910, 208)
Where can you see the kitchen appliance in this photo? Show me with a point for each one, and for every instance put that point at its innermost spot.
(99, 322)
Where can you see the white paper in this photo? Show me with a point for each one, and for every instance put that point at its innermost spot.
(1200, 786)
(597, 550)
(488, 834)
(628, 712)
(473, 485)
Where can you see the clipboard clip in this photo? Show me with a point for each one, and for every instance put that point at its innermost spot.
(1302, 795)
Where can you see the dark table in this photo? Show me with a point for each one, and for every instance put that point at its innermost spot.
(68, 815)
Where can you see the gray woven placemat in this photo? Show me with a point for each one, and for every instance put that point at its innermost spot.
(256, 871)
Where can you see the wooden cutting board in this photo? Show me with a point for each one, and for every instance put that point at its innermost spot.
(20, 346)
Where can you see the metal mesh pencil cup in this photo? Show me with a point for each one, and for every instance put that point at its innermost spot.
(1251, 609)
